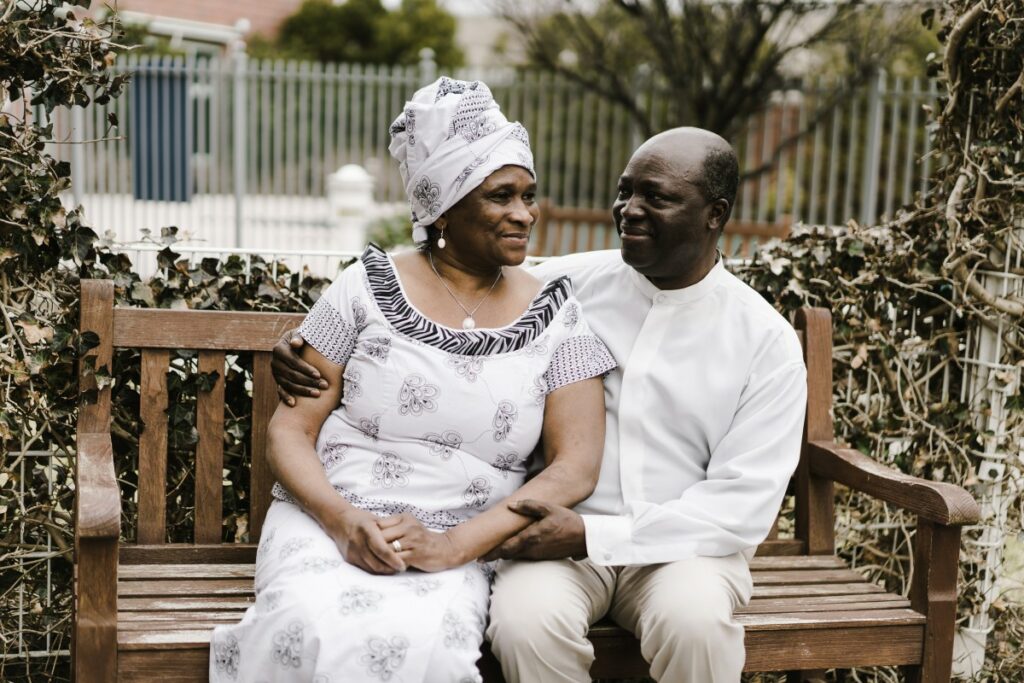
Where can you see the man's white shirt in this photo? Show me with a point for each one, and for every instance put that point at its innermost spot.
(705, 412)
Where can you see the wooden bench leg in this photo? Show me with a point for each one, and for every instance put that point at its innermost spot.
(95, 629)
(933, 593)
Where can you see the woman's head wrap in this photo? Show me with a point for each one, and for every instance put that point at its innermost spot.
(448, 139)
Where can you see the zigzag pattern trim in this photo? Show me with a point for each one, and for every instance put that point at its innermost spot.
(387, 293)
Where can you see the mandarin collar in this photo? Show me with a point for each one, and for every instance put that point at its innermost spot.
(684, 295)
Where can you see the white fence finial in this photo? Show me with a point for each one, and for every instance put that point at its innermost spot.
(428, 67)
(350, 195)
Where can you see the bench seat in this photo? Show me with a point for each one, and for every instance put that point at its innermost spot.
(170, 609)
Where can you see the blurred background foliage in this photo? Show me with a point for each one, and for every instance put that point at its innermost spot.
(364, 32)
(718, 63)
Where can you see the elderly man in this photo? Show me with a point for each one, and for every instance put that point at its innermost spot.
(703, 432)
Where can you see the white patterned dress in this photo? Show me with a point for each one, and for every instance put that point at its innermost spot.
(435, 422)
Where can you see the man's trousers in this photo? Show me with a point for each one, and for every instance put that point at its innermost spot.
(682, 612)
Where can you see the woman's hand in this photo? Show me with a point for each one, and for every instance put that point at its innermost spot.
(362, 543)
(422, 548)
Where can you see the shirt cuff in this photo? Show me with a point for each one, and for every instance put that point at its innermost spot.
(605, 534)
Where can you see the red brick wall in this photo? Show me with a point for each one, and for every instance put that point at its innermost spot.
(264, 15)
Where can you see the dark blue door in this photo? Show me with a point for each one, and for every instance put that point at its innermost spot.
(161, 132)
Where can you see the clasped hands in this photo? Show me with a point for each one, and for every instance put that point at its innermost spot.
(368, 541)
(555, 533)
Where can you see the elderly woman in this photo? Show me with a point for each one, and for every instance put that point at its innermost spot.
(446, 367)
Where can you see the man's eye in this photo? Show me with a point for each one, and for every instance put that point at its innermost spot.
(622, 193)
(529, 197)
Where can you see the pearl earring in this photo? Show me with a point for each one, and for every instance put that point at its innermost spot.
(440, 240)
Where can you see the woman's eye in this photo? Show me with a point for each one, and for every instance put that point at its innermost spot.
(529, 197)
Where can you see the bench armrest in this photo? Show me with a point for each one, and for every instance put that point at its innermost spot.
(99, 498)
(945, 504)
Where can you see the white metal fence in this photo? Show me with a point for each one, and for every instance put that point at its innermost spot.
(38, 634)
(236, 151)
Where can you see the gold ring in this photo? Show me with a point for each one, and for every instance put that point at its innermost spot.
(397, 545)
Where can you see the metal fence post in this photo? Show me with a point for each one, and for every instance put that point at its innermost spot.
(77, 153)
(872, 152)
(428, 67)
(239, 60)
(643, 78)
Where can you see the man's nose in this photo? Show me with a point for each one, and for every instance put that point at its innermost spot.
(631, 207)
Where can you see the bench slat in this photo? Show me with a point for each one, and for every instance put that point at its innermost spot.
(264, 402)
(801, 605)
(170, 666)
(185, 587)
(797, 576)
(160, 328)
(793, 650)
(178, 604)
(178, 553)
(794, 602)
(811, 591)
(152, 515)
(182, 639)
(761, 563)
(175, 571)
(140, 621)
(806, 620)
(210, 451)
(177, 609)
(766, 571)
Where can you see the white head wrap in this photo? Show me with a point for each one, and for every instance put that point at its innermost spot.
(448, 139)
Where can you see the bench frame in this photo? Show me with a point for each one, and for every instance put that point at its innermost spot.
(923, 644)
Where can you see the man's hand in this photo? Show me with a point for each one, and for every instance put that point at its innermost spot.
(294, 376)
(557, 533)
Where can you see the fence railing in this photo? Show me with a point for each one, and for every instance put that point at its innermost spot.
(236, 151)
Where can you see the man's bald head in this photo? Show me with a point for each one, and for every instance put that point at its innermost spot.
(703, 158)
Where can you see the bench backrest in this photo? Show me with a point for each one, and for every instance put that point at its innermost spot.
(565, 230)
(217, 334)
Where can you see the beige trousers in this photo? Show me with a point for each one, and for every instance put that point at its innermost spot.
(682, 612)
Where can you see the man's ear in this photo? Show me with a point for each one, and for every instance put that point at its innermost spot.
(717, 212)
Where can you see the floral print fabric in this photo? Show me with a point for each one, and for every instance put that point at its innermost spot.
(319, 619)
(434, 422)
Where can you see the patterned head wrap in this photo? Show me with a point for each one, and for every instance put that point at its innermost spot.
(447, 140)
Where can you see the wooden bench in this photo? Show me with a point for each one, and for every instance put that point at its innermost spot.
(144, 610)
(565, 230)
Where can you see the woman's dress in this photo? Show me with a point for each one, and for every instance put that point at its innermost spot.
(435, 422)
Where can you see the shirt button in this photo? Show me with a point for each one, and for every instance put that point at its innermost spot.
(659, 298)
(607, 556)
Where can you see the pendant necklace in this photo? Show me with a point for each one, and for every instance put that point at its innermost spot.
(468, 323)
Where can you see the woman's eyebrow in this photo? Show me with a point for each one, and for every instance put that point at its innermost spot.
(511, 186)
